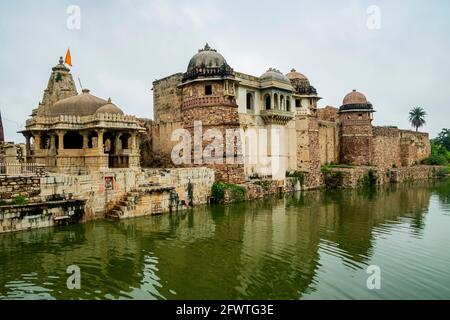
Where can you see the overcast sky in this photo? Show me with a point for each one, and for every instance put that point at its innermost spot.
(123, 46)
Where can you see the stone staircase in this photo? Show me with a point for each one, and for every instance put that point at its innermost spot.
(139, 202)
(122, 206)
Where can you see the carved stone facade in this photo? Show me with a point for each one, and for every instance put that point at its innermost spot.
(72, 133)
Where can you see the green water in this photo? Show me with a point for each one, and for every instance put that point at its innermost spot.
(315, 245)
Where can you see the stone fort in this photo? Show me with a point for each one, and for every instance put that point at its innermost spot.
(212, 92)
(85, 158)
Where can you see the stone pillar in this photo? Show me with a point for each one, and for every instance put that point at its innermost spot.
(28, 144)
(37, 141)
(133, 146)
(118, 144)
(85, 140)
(61, 140)
(52, 141)
(100, 141)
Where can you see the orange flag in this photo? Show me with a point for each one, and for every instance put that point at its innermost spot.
(68, 59)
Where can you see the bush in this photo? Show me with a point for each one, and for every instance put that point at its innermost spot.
(333, 180)
(369, 179)
(19, 200)
(436, 160)
(442, 173)
(237, 192)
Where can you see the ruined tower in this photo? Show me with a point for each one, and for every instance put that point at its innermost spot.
(208, 98)
(60, 86)
(355, 116)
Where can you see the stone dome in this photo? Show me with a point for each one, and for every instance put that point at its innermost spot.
(207, 63)
(275, 75)
(355, 101)
(110, 108)
(295, 75)
(83, 104)
(354, 97)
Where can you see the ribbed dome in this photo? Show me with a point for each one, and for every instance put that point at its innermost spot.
(275, 75)
(207, 63)
(354, 97)
(83, 104)
(109, 108)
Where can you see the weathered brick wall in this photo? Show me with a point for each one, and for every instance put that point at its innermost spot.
(156, 144)
(167, 99)
(13, 186)
(414, 147)
(328, 114)
(217, 111)
(356, 139)
(386, 147)
(351, 177)
(329, 142)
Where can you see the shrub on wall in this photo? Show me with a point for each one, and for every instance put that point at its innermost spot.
(236, 192)
(19, 200)
(368, 180)
(333, 180)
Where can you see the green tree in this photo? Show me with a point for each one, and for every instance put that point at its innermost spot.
(417, 117)
(444, 138)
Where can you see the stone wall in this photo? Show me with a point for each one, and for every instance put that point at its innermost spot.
(40, 215)
(352, 177)
(356, 139)
(328, 114)
(386, 147)
(92, 188)
(13, 186)
(414, 146)
(167, 99)
(217, 111)
(329, 142)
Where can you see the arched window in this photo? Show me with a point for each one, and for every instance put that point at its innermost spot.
(73, 140)
(288, 103)
(282, 102)
(267, 102)
(250, 104)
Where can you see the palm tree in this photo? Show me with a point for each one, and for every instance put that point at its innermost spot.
(417, 117)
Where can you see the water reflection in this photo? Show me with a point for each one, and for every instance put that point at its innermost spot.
(299, 246)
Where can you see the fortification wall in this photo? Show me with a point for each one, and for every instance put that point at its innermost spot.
(386, 147)
(414, 146)
(167, 99)
(329, 142)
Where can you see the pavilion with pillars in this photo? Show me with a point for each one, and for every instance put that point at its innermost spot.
(74, 133)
